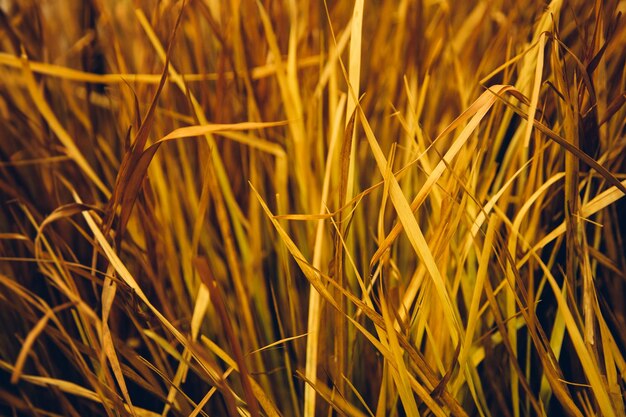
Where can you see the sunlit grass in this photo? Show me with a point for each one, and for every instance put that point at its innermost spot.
(294, 208)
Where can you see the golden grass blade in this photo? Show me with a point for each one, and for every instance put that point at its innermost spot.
(575, 151)
(13, 236)
(481, 275)
(601, 201)
(279, 342)
(192, 131)
(163, 344)
(31, 338)
(70, 146)
(314, 310)
(109, 350)
(311, 274)
(399, 372)
(264, 401)
(338, 403)
(133, 179)
(477, 112)
(354, 57)
(405, 212)
(66, 73)
(123, 272)
(217, 300)
(201, 117)
(75, 389)
(588, 363)
(534, 99)
(367, 306)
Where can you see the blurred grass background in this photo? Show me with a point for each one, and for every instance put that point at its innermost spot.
(312, 208)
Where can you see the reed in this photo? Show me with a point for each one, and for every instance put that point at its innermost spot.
(312, 208)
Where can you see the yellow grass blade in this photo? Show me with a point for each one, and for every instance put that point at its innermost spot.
(399, 371)
(534, 99)
(588, 363)
(477, 112)
(66, 73)
(31, 338)
(70, 146)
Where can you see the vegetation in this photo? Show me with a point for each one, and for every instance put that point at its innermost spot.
(292, 208)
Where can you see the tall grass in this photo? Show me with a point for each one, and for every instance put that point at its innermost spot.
(292, 208)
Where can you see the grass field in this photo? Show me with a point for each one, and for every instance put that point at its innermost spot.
(312, 208)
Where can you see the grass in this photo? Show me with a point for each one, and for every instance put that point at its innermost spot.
(256, 208)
